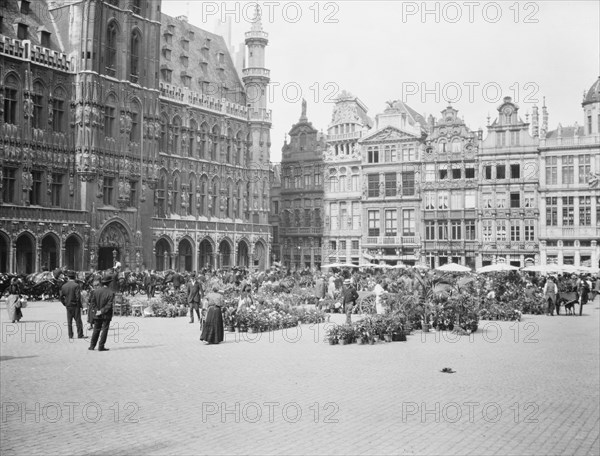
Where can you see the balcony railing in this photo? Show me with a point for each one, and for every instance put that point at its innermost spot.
(203, 101)
(393, 240)
(343, 136)
(48, 214)
(257, 34)
(262, 72)
(571, 141)
(24, 50)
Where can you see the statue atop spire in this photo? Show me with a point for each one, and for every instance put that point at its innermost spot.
(303, 117)
(257, 21)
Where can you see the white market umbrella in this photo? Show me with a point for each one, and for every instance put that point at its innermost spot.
(544, 268)
(588, 270)
(497, 268)
(453, 267)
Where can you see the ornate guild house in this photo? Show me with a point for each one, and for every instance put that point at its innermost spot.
(126, 134)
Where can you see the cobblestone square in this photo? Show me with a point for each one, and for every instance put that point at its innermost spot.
(519, 388)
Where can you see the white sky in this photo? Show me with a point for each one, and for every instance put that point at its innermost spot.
(374, 51)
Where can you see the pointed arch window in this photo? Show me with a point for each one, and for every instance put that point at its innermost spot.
(176, 128)
(203, 189)
(160, 196)
(176, 202)
(215, 198)
(10, 101)
(112, 34)
(134, 64)
(193, 133)
(110, 117)
(37, 97)
(163, 135)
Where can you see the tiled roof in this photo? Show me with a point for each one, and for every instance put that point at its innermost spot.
(39, 18)
(567, 132)
(202, 46)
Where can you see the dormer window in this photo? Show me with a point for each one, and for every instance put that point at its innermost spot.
(22, 31)
(206, 44)
(45, 39)
(166, 54)
(204, 55)
(221, 58)
(184, 60)
(185, 44)
(186, 80)
(166, 75)
(24, 7)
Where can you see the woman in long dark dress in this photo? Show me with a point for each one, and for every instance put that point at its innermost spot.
(13, 302)
(213, 330)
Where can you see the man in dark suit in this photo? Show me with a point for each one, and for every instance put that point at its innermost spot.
(70, 296)
(194, 295)
(102, 307)
(349, 296)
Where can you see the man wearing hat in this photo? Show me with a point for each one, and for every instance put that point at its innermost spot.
(101, 307)
(194, 295)
(70, 296)
(350, 295)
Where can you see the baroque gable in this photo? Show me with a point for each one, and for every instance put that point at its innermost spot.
(386, 134)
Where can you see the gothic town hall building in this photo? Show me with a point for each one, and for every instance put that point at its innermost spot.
(128, 135)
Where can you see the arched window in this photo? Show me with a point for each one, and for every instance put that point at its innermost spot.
(192, 138)
(112, 33)
(204, 141)
(238, 150)
(164, 137)
(11, 91)
(203, 190)
(229, 200)
(215, 198)
(214, 153)
(110, 116)
(191, 195)
(176, 200)
(39, 111)
(456, 145)
(160, 196)
(238, 201)
(176, 128)
(135, 133)
(134, 64)
(58, 110)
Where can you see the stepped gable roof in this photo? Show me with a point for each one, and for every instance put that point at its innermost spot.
(203, 46)
(593, 95)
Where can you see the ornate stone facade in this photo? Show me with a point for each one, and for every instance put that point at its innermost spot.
(102, 132)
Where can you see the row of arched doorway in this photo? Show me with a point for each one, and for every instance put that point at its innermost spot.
(22, 258)
(223, 257)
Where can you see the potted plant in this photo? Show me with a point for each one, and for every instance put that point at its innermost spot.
(332, 335)
(346, 334)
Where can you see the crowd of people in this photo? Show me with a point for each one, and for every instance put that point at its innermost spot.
(335, 291)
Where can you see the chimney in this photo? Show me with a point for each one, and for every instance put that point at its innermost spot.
(182, 18)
